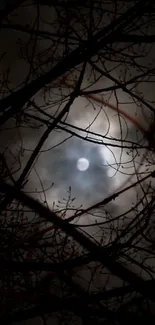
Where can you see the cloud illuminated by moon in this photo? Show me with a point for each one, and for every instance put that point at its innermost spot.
(82, 164)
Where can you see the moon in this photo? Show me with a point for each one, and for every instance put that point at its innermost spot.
(82, 164)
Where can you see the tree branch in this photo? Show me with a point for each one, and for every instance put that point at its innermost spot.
(100, 254)
(77, 56)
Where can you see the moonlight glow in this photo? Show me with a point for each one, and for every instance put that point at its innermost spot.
(82, 164)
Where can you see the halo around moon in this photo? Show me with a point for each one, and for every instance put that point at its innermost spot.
(82, 164)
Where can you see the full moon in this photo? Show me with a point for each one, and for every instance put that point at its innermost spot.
(82, 164)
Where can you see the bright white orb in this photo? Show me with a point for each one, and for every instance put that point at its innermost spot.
(82, 164)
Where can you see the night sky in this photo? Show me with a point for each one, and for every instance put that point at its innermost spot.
(100, 144)
(109, 167)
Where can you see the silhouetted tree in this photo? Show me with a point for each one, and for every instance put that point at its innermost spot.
(66, 261)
